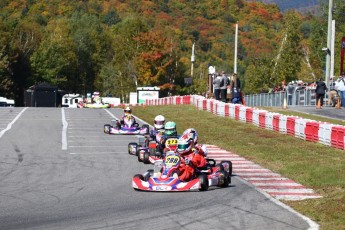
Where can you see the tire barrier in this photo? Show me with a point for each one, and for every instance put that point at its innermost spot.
(306, 129)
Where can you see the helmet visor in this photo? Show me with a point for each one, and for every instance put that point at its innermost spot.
(170, 131)
(182, 147)
(159, 122)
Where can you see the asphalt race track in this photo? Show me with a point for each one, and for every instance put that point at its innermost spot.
(58, 170)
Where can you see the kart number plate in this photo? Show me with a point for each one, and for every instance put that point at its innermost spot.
(171, 161)
(163, 188)
(171, 142)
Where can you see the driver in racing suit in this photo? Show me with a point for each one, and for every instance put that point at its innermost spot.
(158, 125)
(193, 155)
(169, 132)
(127, 112)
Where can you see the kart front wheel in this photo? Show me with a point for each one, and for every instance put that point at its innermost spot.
(131, 146)
(139, 153)
(227, 179)
(138, 150)
(107, 128)
(203, 182)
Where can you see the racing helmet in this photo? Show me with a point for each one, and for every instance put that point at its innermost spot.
(184, 144)
(192, 133)
(170, 128)
(127, 110)
(159, 122)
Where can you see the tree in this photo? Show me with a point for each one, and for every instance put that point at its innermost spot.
(6, 82)
(288, 60)
(55, 60)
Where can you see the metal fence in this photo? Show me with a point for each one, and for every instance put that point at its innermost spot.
(301, 97)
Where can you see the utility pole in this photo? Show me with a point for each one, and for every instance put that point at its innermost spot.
(192, 60)
(329, 40)
(235, 57)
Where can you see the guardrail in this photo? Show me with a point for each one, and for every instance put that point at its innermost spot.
(300, 97)
(306, 129)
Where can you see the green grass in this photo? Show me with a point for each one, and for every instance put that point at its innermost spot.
(314, 165)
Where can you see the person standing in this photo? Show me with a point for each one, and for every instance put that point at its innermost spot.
(320, 91)
(235, 89)
(290, 92)
(216, 86)
(223, 86)
(340, 86)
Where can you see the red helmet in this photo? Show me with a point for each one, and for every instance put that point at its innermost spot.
(184, 144)
(192, 134)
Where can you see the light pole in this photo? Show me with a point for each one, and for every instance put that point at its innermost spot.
(192, 60)
(235, 53)
(329, 40)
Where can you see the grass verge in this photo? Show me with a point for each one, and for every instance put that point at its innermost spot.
(314, 165)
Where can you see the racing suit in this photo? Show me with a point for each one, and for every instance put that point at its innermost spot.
(195, 158)
(154, 135)
(121, 122)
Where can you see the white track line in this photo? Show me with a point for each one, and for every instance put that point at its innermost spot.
(9, 126)
(112, 115)
(64, 130)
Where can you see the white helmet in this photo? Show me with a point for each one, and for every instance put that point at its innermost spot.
(192, 133)
(128, 110)
(159, 122)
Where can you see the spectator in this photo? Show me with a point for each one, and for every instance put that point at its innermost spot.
(320, 91)
(236, 89)
(216, 86)
(340, 86)
(223, 86)
(290, 92)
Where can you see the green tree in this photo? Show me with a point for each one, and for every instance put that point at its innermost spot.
(55, 59)
(287, 63)
(6, 82)
(91, 48)
(258, 78)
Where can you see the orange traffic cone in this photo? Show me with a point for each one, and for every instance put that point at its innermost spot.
(319, 104)
(338, 104)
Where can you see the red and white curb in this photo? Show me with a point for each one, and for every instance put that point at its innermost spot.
(263, 179)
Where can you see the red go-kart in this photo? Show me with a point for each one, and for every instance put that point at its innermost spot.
(164, 176)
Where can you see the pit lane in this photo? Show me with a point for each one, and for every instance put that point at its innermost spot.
(87, 185)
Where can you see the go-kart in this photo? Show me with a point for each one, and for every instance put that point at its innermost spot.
(129, 127)
(96, 105)
(152, 150)
(133, 147)
(164, 176)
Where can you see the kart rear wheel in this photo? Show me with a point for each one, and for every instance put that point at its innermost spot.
(107, 128)
(203, 182)
(146, 157)
(230, 166)
(139, 159)
(147, 128)
(132, 145)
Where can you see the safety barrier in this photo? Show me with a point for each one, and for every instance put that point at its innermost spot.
(306, 129)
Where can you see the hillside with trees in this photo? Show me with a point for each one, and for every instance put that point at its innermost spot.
(113, 46)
